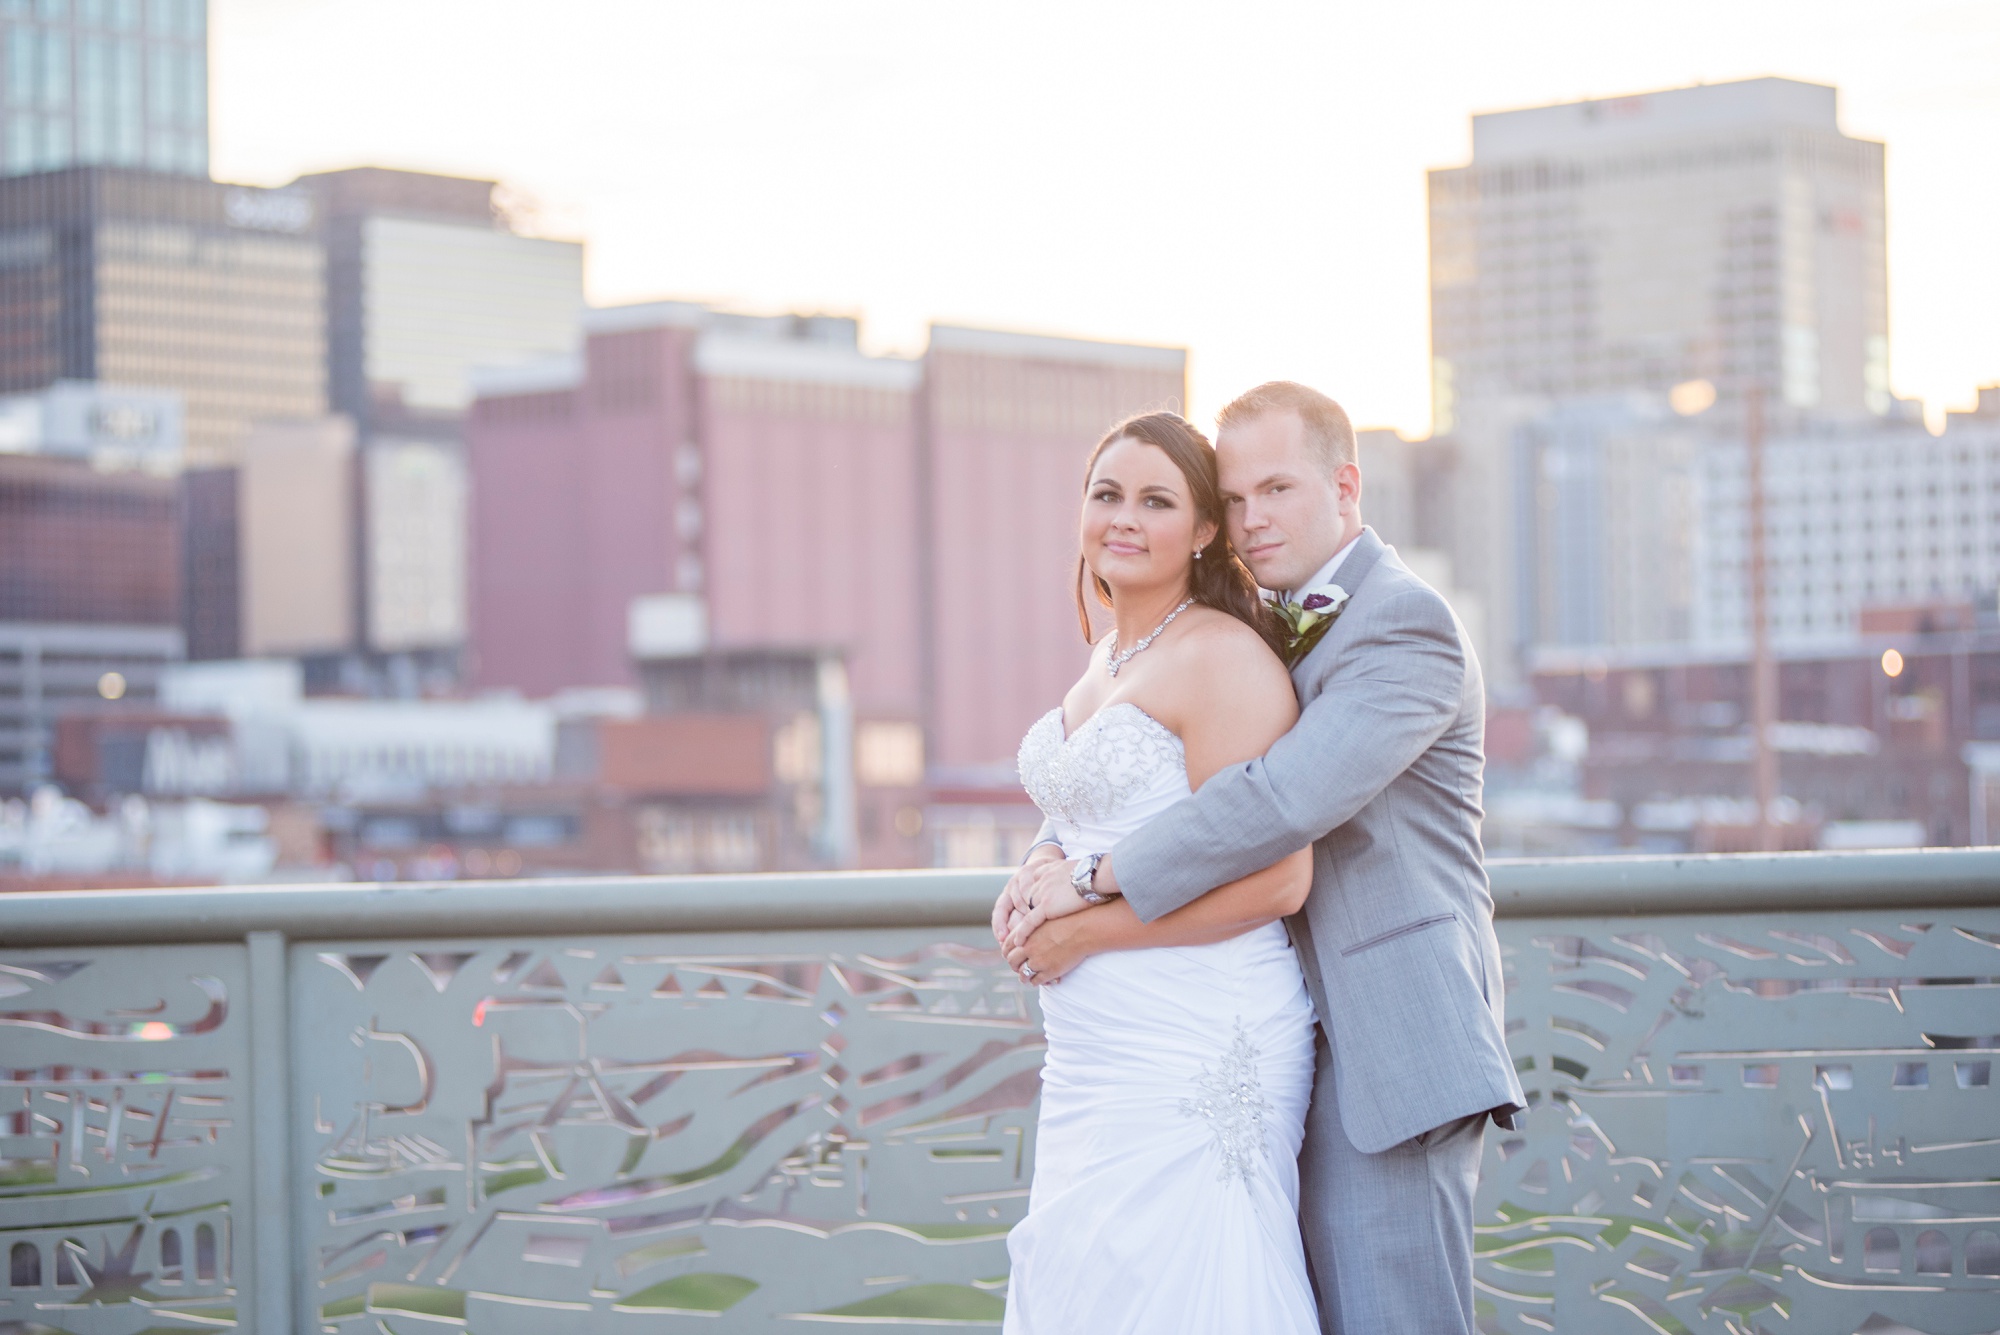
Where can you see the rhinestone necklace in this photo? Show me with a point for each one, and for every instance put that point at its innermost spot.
(1119, 658)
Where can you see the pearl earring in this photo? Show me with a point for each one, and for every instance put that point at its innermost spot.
(1197, 553)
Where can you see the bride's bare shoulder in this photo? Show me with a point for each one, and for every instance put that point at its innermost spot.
(1222, 651)
(1231, 696)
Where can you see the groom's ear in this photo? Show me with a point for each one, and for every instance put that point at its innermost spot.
(1347, 481)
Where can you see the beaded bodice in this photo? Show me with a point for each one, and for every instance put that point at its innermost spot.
(1116, 771)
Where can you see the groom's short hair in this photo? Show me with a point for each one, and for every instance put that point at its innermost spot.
(1329, 435)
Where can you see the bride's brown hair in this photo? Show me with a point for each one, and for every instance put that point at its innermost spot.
(1219, 578)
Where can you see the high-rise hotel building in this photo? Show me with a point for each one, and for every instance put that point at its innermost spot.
(1591, 257)
(1727, 232)
(118, 83)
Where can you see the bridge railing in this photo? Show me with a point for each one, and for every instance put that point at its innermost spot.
(1762, 1095)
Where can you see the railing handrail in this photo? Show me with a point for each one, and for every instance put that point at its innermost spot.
(806, 901)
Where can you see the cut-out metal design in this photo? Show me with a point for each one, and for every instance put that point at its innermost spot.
(124, 1146)
(1744, 1125)
(1738, 1125)
(575, 1132)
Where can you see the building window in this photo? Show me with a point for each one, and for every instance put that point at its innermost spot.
(24, 142)
(889, 755)
(24, 66)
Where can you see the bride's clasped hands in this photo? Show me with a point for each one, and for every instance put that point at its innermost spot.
(1055, 917)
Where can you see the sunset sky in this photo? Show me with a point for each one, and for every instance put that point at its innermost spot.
(1245, 179)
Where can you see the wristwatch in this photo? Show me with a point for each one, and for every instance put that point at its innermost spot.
(1085, 876)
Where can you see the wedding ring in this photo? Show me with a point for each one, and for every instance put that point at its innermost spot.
(1028, 971)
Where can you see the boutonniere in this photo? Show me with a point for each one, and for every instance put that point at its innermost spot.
(1307, 620)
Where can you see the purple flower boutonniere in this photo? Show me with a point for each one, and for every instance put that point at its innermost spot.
(1306, 621)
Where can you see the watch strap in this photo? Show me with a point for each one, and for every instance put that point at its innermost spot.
(1084, 879)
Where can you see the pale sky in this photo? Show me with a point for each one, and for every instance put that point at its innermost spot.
(1244, 179)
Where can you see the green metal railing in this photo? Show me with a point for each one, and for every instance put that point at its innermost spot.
(1761, 1086)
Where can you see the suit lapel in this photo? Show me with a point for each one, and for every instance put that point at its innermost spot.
(1368, 552)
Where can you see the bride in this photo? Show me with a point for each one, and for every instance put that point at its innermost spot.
(1180, 1058)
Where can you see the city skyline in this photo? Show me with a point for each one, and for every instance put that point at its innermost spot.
(908, 166)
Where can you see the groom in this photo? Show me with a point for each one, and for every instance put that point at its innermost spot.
(1382, 775)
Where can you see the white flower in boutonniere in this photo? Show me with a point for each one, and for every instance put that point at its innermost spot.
(1307, 620)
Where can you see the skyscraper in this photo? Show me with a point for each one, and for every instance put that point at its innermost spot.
(1593, 251)
(1729, 232)
(140, 278)
(114, 83)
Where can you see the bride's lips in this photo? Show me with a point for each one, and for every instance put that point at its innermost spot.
(1124, 548)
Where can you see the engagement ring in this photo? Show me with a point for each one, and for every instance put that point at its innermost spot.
(1028, 971)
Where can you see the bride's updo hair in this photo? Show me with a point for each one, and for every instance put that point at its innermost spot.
(1219, 579)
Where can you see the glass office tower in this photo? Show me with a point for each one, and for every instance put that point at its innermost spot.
(121, 83)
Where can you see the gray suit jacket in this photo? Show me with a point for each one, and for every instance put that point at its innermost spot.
(1382, 775)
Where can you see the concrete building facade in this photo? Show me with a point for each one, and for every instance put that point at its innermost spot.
(295, 518)
(1855, 519)
(1009, 421)
(1727, 232)
(808, 504)
(428, 282)
(581, 470)
(1607, 491)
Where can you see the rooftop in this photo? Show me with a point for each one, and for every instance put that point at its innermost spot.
(1577, 129)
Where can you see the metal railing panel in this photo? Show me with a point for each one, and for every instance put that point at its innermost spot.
(126, 1142)
(1748, 1123)
(1762, 1086)
(593, 1133)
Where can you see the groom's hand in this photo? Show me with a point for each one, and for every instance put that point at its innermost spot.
(1013, 900)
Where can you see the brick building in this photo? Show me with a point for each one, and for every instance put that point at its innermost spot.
(1898, 732)
(916, 519)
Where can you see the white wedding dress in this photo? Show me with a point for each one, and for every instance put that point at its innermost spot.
(1165, 1194)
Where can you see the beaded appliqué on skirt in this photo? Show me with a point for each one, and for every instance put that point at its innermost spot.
(1231, 1100)
(1086, 776)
